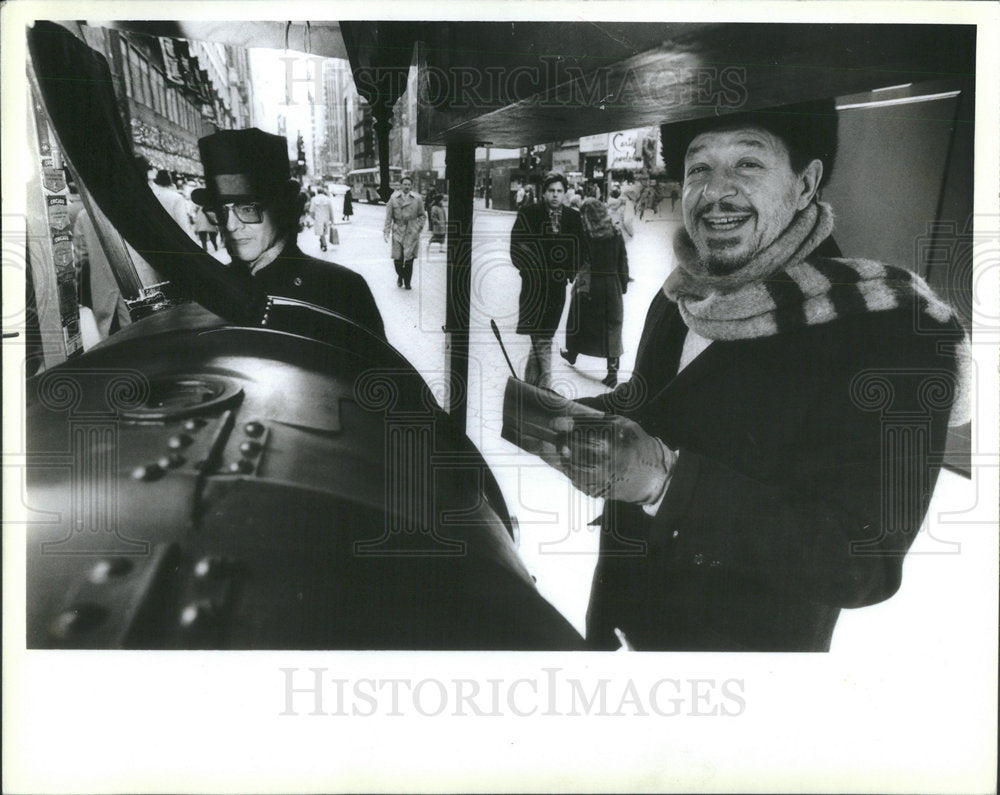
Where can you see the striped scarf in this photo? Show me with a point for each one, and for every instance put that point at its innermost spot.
(779, 291)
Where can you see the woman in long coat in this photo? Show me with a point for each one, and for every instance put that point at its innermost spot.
(439, 221)
(594, 325)
(348, 205)
(404, 221)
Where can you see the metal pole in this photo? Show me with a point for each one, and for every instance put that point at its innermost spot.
(488, 186)
(460, 170)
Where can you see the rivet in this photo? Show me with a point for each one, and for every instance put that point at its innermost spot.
(196, 614)
(194, 424)
(250, 447)
(208, 566)
(699, 559)
(253, 429)
(147, 472)
(179, 441)
(241, 467)
(77, 619)
(107, 568)
(676, 533)
(170, 461)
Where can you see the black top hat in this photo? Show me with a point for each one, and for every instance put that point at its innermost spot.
(242, 164)
(808, 129)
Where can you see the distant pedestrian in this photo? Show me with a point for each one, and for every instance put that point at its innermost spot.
(404, 221)
(162, 185)
(616, 208)
(594, 325)
(321, 210)
(205, 229)
(348, 205)
(547, 248)
(439, 221)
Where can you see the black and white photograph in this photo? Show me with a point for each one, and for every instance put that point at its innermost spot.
(447, 397)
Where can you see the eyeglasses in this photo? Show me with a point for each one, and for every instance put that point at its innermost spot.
(246, 213)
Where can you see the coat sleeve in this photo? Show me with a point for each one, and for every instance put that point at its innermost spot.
(387, 226)
(622, 262)
(522, 245)
(365, 309)
(581, 253)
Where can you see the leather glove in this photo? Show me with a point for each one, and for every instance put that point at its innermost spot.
(613, 458)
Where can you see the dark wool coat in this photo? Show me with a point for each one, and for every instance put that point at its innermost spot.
(326, 284)
(806, 461)
(545, 261)
(594, 325)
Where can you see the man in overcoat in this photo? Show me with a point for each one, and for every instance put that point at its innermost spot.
(772, 457)
(321, 210)
(257, 207)
(547, 248)
(404, 221)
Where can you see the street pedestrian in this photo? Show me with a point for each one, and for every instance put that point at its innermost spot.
(348, 205)
(205, 229)
(404, 221)
(594, 325)
(546, 247)
(321, 210)
(439, 222)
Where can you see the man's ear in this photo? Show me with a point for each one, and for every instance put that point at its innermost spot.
(809, 179)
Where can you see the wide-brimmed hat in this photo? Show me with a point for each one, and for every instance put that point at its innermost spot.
(242, 164)
(808, 129)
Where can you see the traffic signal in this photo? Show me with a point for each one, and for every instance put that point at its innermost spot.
(301, 158)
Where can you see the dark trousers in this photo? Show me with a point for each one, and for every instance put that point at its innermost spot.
(404, 270)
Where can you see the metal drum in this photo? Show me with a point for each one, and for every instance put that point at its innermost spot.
(202, 485)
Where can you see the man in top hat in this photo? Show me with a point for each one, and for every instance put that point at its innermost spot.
(757, 474)
(257, 206)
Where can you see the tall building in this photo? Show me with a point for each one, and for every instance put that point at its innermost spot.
(171, 92)
(339, 89)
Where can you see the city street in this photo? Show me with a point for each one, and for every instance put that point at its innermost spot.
(557, 543)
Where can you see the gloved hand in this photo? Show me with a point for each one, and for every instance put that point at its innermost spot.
(613, 458)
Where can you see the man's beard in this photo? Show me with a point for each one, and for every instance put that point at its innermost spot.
(718, 264)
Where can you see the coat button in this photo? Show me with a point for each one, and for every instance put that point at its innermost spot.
(675, 533)
(297, 281)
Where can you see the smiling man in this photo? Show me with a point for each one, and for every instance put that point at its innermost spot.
(256, 205)
(755, 475)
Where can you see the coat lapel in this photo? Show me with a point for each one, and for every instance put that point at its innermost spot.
(662, 354)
